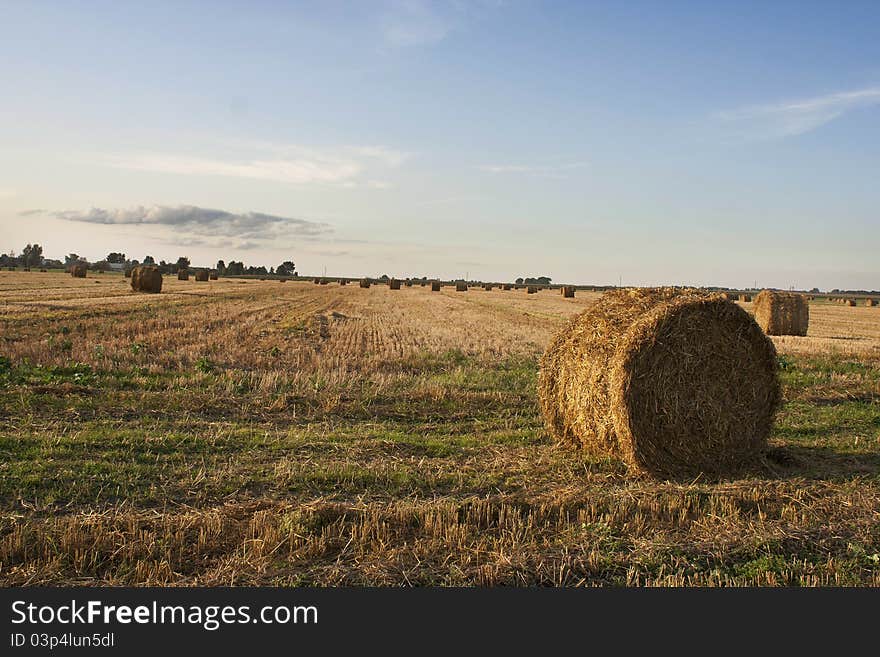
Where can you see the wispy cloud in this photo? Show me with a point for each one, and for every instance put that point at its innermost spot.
(406, 23)
(205, 225)
(286, 164)
(548, 171)
(796, 117)
(30, 213)
(411, 23)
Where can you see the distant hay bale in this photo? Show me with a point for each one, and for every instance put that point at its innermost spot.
(672, 382)
(408, 283)
(745, 298)
(343, 281)
(870, 302)
(394, 284)
(183, 274)
(202, 276)
(324, 281)
(365, 283)
(27, 268)
(146, 278)
(44, 271)
(127, 272)
(850, 302)
(423, 283)
(79, 270)
(532, 289)
(461, 286)
(214, 275)
(316, 281)
(435, 286)
(507, 287)
(782, 313)
(282, 280)
(568, 291)
(729, 296)
(488, 287)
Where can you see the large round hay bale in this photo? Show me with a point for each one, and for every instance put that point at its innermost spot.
(870, 302)
(394, 284)
(202, 276)
(183, 274)
(365, 283)
(146, 278)
(435, 286)
(214, 275)
(461, 286)
(782, 313)
(506, 287)
(343, 281)
(79, 270)
(532, 289)
(673, 383)
(568, 291)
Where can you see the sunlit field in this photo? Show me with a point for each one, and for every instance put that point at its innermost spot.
(240, 432)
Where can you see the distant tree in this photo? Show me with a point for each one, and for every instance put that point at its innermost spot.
(235, 268)
(71, 258)
(116, 258)
(271, 270)
(148, 260)
(221, 267)
(32, 255)
(383, 277)
(519, 281)
(101, 265)
(286, 268)
(183, 262)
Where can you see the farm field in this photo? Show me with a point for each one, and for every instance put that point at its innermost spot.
(240, 432)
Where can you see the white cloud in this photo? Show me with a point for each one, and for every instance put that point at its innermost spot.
(205, 225)
(550, 171)
(409, 23)
(790, 118)
(286, 164)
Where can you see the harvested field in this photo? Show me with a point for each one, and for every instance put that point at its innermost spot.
(251, 433)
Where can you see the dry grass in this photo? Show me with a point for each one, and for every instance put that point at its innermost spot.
(252, 433)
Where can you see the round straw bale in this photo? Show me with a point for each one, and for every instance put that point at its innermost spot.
(146, 278)
(214, 275)
(435, 286)
(532, 289)
(343, 281)
(870, 302)
(850, 302)
(782, 313)
(202, 276)
(568, 291)
(183, 274)
(461, 286)
(672, 382)
(79, 270)
(365, 283)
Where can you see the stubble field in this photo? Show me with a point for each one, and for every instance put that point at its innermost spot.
(246, 432)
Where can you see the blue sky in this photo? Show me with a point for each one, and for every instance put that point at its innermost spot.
(648, 143)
